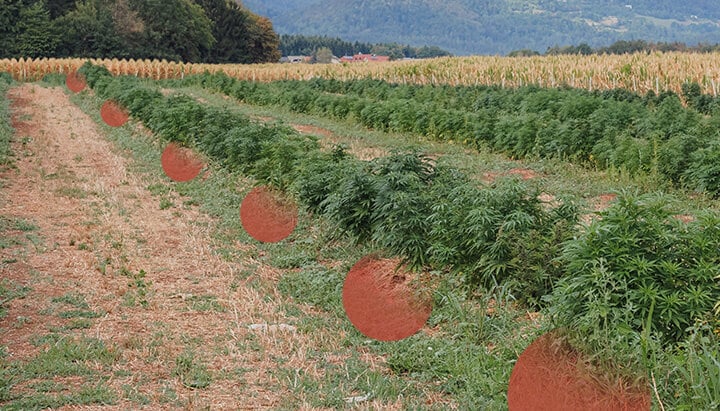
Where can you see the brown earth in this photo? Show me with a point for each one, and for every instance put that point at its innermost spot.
(100, 228)
(356, 147)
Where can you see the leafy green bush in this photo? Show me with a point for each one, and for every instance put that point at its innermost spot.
(499, 235)
(320, 176)
(638, 277)
(703, 172)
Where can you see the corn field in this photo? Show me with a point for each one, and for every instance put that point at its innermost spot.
(636, 72)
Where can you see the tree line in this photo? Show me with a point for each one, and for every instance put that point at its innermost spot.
(621, 47)
(212, 31)
(301, 45)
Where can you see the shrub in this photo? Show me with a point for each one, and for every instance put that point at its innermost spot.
(637, 277)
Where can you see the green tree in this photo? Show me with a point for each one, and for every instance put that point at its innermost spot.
(35, 37)
(174, 29)
(89, 31)
(265, 43)
(9, 16)
(394, 50)
(231, 25)
(58, 8)
(323, 55)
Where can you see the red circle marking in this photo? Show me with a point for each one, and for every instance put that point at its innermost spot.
(75, 82)
(112, 114)
(180, 163)
(379, 301)
(266, 217)
(547, 377)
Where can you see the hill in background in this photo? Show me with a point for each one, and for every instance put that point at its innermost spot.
(496, 26)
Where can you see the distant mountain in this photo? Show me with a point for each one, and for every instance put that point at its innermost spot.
(496, 26)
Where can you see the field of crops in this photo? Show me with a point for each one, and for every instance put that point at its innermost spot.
(636, 72)
(636, 290)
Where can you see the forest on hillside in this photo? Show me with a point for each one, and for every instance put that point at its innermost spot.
(211, 31)
(497, 26)
(297, 44)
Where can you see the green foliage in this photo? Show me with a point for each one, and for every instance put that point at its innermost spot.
(689, 373)
(211, 31)
(192, 373)
(6, 130)
(654, 135)
(9, 291)
(320, 176)
(501, 234)
(175, 29)
(34, 33)
(638, 277)
(88, 30)
(351, 205)
(703, 172)
(138, 291)
(402, 206)
(298, 44)
(315, 285)
(399, 203)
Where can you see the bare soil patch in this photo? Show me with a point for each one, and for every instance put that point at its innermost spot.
(329, 140)
(144, 269)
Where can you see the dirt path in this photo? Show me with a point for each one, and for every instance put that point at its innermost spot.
(163, 296)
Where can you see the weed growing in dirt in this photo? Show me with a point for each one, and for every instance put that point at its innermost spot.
(73, 299)
(192, 373)
(10, 290)
(205, 303)
(138, 291)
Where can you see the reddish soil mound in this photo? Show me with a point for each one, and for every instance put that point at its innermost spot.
(75, 82)
(379, 301)
(266, 216)
(308, 129)
(523, 173)
(112, 114)
(548, 377)
(180, 163)
(604, 201)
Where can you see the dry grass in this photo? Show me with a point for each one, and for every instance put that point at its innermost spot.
(123, 232)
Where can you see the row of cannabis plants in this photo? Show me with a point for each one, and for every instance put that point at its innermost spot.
(638, 288)
(654, 134)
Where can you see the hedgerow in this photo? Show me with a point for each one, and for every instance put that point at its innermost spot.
(602, 129)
